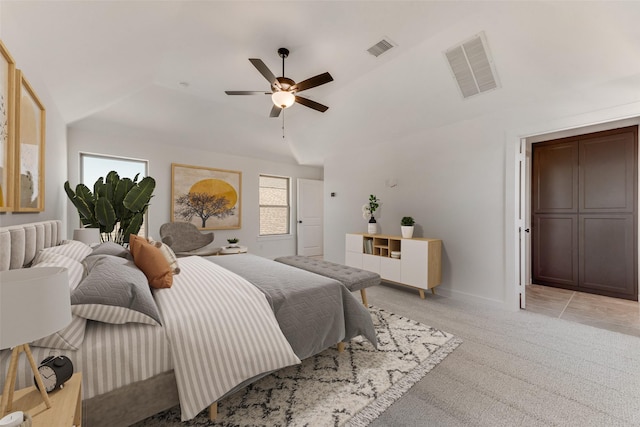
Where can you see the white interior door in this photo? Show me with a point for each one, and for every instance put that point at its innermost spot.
(310, 217)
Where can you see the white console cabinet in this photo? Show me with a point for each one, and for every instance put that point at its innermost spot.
(419, 265)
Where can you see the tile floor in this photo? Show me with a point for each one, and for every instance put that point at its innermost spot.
(602, 312)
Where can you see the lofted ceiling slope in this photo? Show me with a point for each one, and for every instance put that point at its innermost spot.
(117, 66)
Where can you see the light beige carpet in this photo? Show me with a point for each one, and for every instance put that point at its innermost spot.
(516, 369)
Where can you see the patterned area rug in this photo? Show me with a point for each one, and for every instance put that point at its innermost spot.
(334, 389)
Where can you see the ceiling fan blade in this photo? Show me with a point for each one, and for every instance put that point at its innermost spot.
(264, 70)
(311, 104)
(275, 111)
(246, 92)
(318, 80)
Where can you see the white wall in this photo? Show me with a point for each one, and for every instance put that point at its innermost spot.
(448, 182)
(458, 182)
(160, 156)
(55, 143)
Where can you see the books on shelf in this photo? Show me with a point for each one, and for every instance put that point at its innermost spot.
(368, 246)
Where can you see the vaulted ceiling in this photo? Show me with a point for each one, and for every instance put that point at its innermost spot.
(119, 66)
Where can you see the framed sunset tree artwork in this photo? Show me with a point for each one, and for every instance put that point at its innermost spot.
(29, 147)
(206, 197)
(7, 127)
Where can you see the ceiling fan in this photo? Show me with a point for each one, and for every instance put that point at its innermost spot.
(284, 90)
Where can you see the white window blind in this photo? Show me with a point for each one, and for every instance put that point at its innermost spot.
(274, 205)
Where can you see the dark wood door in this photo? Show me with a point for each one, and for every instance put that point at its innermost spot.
(584, 203)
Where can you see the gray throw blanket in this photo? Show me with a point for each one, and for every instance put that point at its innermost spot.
(314, 312)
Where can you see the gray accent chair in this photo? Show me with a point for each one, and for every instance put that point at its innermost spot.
(185, 239)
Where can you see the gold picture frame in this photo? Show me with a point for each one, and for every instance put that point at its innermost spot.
(206, 197)
(30, 129)
(7, 128)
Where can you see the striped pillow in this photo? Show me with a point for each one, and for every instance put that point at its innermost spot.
(69, 338)
(72, 336)
(51, 259)
(69, 248)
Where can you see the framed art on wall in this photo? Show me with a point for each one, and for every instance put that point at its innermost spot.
(206, 197)
(29, 147)
(7, 126)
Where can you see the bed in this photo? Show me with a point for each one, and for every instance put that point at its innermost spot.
(134, 370)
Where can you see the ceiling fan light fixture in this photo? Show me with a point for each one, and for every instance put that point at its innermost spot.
(283, 99)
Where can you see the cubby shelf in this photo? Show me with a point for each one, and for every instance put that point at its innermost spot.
(418, 266)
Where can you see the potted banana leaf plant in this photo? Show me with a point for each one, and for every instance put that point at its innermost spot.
(116, 206)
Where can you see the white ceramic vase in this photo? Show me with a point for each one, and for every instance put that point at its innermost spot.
(407, 231)
(372, 228)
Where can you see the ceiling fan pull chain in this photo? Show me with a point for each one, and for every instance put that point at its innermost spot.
(283, 124)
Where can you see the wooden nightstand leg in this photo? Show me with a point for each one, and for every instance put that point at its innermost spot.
(7, 395)
(10, 382)
(363, 294)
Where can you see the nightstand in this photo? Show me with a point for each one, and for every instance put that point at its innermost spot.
(232, 250)
(66, 404)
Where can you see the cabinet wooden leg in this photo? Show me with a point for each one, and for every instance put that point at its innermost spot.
(340, 347)
(433, 291)
(421, 293)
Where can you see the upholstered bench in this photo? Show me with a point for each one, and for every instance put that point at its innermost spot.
(353, 278)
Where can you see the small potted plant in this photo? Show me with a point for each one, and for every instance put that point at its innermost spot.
(406, 225)
(233, 243)
(367, 212)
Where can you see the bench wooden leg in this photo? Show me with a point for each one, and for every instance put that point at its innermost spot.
(340, 347)
(363, 294)
(213, 411)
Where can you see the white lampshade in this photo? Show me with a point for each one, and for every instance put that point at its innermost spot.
(88, 236)
(283, 99)
(34, 303)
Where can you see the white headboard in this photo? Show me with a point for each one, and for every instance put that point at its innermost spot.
(19, 244)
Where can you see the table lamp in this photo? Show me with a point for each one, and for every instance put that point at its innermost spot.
(87, 235)
(34, 303)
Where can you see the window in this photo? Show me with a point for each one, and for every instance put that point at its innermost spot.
(94, 166)
(274, 205)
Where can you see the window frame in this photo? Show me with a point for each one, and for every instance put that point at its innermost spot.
(85, 154)
(288, 206)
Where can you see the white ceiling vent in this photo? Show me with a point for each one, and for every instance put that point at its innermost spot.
(472, 66)
(381, 47)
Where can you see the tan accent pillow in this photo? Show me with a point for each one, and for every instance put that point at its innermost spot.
(151, 261)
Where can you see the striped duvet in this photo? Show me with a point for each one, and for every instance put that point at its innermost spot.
(221, 332)
(218, 331)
